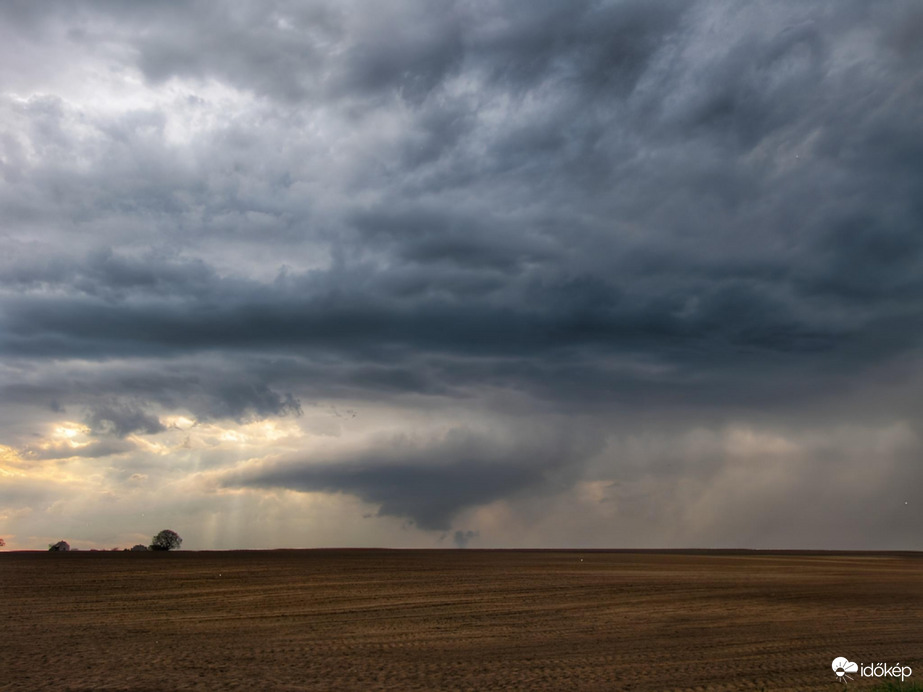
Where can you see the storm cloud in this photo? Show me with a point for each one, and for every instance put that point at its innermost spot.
(619, 219)
(430, 481)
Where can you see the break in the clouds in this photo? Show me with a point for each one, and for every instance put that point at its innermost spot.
(474, 272)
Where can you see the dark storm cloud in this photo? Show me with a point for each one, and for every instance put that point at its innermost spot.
(119, 398)
(122, 419)
(241, 399)
(825, 260)
(607, 206)
(550, 280)
(431, 481)
(386, 323)
(293, 51)
(601, 47)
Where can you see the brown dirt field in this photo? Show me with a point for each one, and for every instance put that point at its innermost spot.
(454, 620)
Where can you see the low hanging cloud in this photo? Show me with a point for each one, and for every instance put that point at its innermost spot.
(430, 481)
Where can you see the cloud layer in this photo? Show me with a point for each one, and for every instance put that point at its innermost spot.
(465, 256)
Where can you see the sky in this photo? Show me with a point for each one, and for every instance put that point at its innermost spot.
(463, 273)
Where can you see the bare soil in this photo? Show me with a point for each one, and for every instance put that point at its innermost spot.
(454, 620)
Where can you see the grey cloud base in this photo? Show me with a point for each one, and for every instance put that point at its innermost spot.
(430, 482)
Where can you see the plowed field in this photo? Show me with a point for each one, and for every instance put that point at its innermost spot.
(454, 620)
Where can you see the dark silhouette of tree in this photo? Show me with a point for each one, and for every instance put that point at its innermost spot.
(138, 548)
(166, 540)
(59, 547)
(2, 542)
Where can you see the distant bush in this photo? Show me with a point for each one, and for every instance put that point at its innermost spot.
(166, 540)
(2, 542)
(59, 547)
(138, 548)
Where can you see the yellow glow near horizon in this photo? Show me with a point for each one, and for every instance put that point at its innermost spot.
(14, 467)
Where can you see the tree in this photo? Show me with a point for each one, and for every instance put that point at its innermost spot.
(166, 540)
(2, 542)
(59, 547)
(138, 548)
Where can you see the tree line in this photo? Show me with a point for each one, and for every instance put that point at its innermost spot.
(163, 541)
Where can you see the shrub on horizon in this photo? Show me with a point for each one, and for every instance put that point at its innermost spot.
(59, 547)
